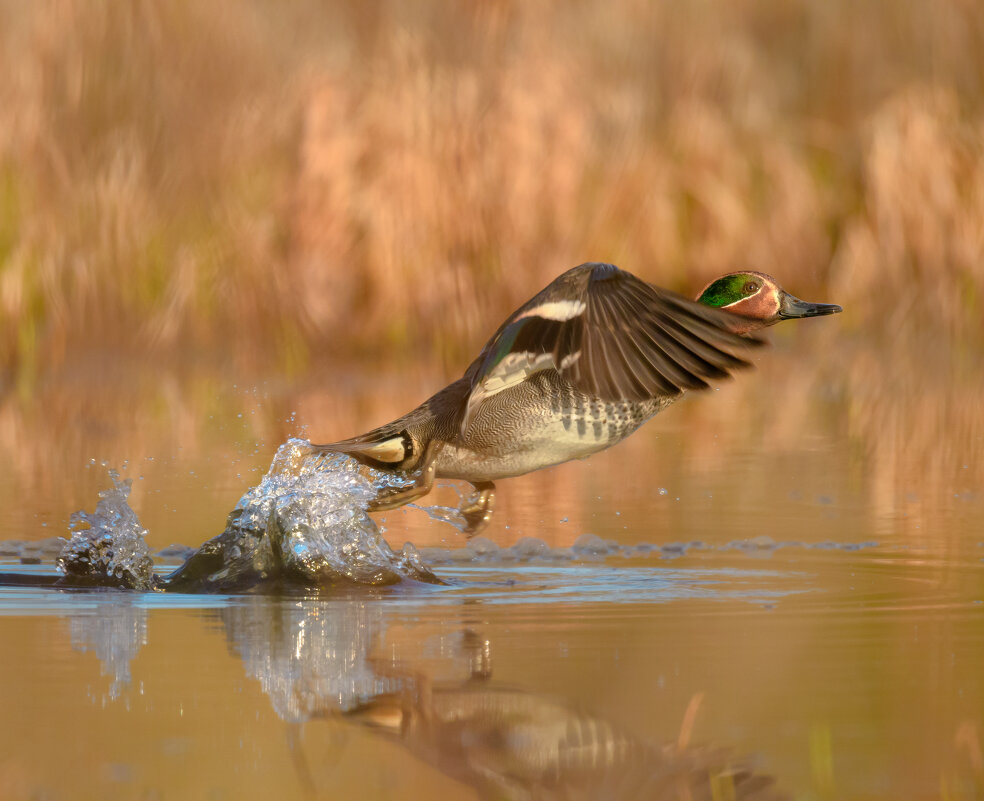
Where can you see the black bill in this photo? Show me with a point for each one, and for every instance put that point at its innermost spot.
(791, 307)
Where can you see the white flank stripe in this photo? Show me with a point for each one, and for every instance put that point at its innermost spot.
(559, 310)
(389, 450)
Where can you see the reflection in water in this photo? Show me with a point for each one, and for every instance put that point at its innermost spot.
(115, 631)
(315, 660)
(308, 655)
(511, 743)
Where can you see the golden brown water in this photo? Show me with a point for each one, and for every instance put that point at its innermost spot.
(821, 632)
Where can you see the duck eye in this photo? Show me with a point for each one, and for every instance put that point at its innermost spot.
(751, 287)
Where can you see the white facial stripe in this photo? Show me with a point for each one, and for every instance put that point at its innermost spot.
(740, 300)
(559, 310)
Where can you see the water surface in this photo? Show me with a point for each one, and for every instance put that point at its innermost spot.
(702, 609)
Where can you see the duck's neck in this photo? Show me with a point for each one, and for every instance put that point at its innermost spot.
(747, 325)
(749, 314)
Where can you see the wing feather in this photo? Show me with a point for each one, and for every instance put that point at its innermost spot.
(614, 337)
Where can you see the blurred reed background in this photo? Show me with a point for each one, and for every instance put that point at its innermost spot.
(225, 190)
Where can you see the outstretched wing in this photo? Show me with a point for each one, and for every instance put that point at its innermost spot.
(613, 336)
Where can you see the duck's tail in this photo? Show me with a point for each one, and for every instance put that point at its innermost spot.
(387, 448)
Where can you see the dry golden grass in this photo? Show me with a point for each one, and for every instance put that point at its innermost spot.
(327, 178)
(242, 184)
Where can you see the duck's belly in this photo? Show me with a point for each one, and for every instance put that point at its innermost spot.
(531, 426)
(542, 447)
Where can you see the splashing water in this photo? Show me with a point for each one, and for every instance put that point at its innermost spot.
(305, 524)
(108, 547)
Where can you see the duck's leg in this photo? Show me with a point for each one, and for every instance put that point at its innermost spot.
(395, 497)
(477, 507)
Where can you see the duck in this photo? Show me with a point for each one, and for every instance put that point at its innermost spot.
(573, 371)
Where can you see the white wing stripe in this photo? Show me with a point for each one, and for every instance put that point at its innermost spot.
(558, 310)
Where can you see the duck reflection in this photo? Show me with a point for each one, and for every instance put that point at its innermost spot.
(309, 655)
(319, 660)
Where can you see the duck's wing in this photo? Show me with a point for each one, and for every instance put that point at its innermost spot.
(613, 336)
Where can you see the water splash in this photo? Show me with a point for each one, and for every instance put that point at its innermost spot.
(108, 547)
(305, 524)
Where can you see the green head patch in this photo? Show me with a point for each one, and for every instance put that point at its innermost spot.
(730, 289)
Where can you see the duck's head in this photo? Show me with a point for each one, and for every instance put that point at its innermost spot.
(759, 300)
